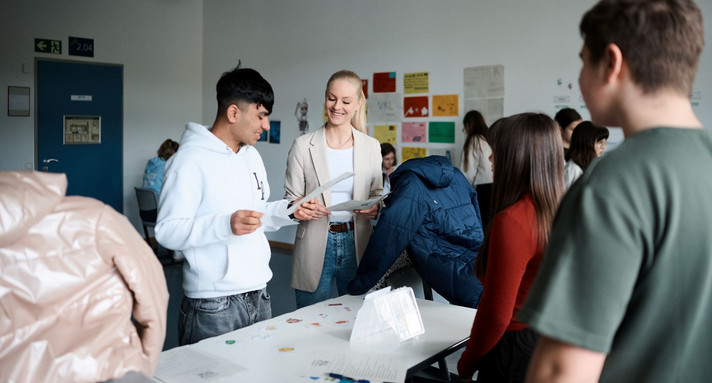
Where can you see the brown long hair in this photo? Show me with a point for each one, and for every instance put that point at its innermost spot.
(528, 158)
(475, 126)
(359, 119)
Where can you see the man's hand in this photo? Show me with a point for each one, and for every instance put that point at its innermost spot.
(306, 210)
(245, 221)
(370, 213)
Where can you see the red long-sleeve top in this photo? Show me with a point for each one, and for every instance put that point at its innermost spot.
(512, 262)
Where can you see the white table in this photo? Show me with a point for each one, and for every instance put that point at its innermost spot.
(276, 350)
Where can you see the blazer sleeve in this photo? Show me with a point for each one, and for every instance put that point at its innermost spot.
(294, 180)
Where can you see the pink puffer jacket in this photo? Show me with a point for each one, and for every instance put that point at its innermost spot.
(73, 271)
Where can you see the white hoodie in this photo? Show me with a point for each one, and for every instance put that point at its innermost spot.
(205, 182)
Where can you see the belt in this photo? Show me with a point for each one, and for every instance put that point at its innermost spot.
(341, 227)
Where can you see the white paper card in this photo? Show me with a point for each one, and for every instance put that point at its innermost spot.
(356, 205)
(188, 366)
(320, 190)
(388, 317)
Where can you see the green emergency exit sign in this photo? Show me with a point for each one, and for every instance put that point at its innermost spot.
(48, 46)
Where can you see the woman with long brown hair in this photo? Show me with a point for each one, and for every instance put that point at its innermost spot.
(527, 163)
(474, 162)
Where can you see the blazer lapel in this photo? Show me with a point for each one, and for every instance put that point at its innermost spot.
(320, 160)
(361, 163)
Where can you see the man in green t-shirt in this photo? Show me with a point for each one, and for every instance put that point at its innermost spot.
(624, 293)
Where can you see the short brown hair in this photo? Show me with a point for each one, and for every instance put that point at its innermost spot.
(167, 149)
(661, 40)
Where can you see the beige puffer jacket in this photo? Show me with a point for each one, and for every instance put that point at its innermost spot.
(72, 273)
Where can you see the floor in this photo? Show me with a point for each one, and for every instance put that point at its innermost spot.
(281, 293)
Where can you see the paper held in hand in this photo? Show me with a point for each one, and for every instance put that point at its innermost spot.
(388, 317)
(320, 190)
(356, 205)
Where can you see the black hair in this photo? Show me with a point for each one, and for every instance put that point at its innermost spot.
(243, 85)
(566, 116)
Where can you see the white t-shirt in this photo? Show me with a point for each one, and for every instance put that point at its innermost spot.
(341, 161)
(571, 172)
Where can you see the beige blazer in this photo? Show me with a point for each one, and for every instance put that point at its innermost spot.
(307, 169)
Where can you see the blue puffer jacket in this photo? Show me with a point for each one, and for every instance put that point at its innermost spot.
(432, 212)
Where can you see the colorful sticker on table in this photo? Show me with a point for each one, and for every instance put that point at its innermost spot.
(286, 349)
(446, 105)
(415, 106)
(261, 337)
(341, 322)
(386, 134)
(314, 325)
(408, 152)
(441, 132)
(293, 320)
(229, 342)
(334, 304)
(414, 131)
(322, 315)
(268, 328)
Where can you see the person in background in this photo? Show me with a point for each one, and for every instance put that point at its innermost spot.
(528, 184)
(567, 119)
(389, 164)
(153, 175)
(432, 212)
(624, 293)
(587, 143)
(329, 246)
(212, 210)
(83, 298)
(474, 161)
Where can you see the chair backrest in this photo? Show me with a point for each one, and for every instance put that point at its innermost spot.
(147, 204)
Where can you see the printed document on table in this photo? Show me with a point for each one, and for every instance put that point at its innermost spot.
(190, 366)
(357, 365)
(320, 190)
(356, 205)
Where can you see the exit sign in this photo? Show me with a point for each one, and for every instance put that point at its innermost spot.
(81, 47)
(48, 46)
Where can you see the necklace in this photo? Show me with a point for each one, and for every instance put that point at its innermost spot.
(341, 145)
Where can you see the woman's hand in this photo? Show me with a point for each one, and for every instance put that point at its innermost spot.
(370, 213)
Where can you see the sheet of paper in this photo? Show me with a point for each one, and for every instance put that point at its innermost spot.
(374, 367)
(356, 205)
(320, 190)
(188, 366)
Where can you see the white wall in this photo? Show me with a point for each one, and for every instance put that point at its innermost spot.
(297, 45)
(173, 52)
(158, 42)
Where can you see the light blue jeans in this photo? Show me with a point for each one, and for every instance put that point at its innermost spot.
(339, 264)
(200, 319)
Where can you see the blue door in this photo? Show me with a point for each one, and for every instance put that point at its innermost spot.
(79, 127)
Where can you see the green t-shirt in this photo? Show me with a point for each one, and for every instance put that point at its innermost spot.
(628, 269)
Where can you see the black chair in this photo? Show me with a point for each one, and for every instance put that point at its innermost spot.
(147, 209)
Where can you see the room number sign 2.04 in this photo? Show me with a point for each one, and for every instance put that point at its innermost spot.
(79, 46)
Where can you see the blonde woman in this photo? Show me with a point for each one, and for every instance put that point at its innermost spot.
(329, 246)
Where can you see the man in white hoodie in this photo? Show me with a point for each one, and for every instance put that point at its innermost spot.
(215, 192)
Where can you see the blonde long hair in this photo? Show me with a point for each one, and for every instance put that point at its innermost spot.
(359, 119)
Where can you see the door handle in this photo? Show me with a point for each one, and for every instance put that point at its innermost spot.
(49, 160)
